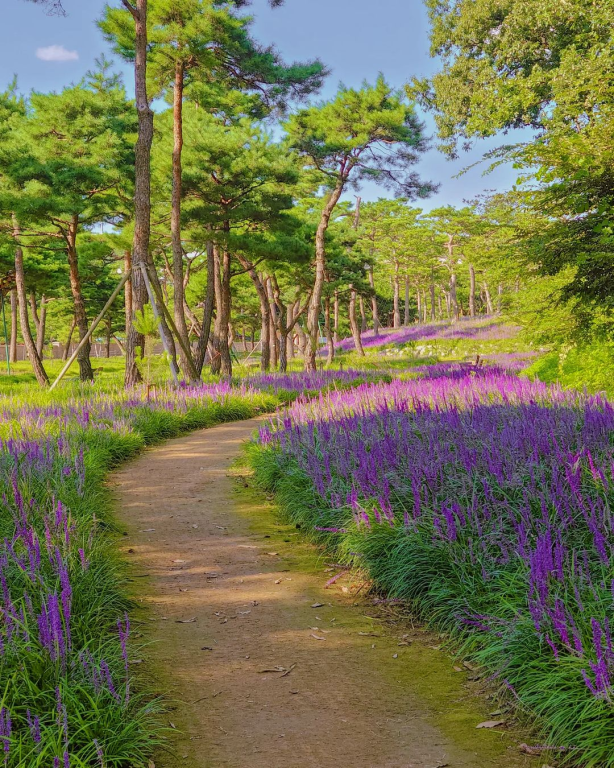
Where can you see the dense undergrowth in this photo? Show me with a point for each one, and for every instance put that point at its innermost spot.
(68, 695)
(484, 501)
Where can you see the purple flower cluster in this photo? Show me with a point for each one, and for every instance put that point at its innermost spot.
(464, 329)
(512, 480)
(302, 381)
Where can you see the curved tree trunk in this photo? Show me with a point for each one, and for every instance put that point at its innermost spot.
(489, 306)
(26, 333)
(205, 333)
(13, 342)
(42, 326)
(265, 311)
(313, 315)
(363, 316)
(354, 323)
(328, 332)
(142, 190)
(66, 352)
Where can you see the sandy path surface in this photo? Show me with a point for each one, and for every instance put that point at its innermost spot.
(259, 677)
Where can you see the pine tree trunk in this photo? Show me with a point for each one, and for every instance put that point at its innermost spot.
(336, 318)
(128, 292)
(303, 340)
(187, 365)
(471, 291)
(363, 317)
(66, 352)
(424, 308)
(396, 320)
(432, 299)
(86, 372)
(289, 339)
(265, 311)
(313, 314)
(328, 332)
(272, 324)
(225, 328)
(13, 342)
(374, 308)
(406, 312)
(42, 326)
(26, 333)
(216, 355)
(453, 297)
(205, 333)
(489, 307)
(142, 191)
(354, 323)
(107, 346)
(418, 307)
(499, 298)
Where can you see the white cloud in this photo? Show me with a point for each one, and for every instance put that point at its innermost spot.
(56, 53)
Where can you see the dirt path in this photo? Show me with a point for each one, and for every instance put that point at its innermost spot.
(230, 592)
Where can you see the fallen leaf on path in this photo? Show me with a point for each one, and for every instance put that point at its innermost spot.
(172, 725)
(468, 666)
(206, 648)
(185, 621)
(435, 647)
(243, 613)
(317, 637)
(318, 605)
(278, 581)
(490, 723)
(179, 561)
(272, 553)
(395, 655)
(293, 691)
(246, 546)
(457, 669)
(184, 590)
(529, 750)
(147, 530)
(337, 576)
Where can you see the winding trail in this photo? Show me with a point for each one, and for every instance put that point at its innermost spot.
(228, 592)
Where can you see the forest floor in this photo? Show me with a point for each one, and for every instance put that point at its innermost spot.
(265, 667)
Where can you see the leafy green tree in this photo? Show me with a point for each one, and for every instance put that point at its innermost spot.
(543, 66)
(12, 120)
(205, 44)
(74, 172)
(237, 184)
(370, 133)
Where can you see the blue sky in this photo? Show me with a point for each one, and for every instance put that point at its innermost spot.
(356, 39)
